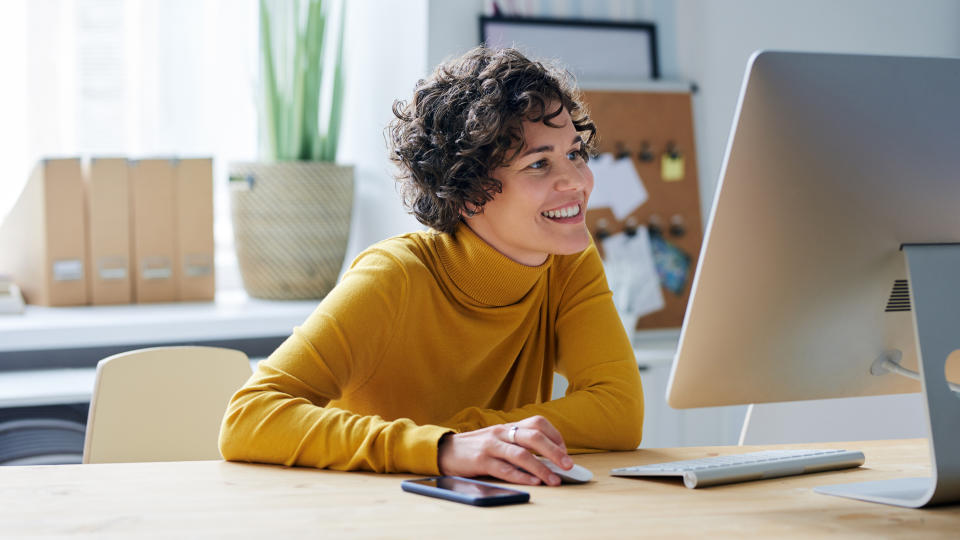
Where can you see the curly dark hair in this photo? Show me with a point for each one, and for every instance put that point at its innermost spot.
(465, 120)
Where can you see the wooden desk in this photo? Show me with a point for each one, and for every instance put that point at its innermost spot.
(213, 498)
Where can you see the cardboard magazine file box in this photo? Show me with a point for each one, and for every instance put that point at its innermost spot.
(42, 239)
(194, 179)
(108, 236)
(153, 214)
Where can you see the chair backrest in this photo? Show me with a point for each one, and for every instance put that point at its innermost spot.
(897, 416)
(161, 404)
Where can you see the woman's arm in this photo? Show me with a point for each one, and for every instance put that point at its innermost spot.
(270, 421)
(281, 414)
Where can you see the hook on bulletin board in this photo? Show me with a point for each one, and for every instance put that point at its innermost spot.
(646, 153)
(677, 226)
(672, 151)
(602, 231)
(655, 225)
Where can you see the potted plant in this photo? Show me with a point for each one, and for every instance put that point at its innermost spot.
(291, 211)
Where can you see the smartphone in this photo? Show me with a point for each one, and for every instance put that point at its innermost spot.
(465, 490)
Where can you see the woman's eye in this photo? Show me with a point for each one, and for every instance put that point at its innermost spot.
(579, 153)
(538, 164)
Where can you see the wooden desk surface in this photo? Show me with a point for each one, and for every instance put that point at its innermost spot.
(219, 499)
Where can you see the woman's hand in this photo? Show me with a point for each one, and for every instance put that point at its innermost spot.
(502, 450)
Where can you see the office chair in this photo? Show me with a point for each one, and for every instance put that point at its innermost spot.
(896, 416)
(161, 404)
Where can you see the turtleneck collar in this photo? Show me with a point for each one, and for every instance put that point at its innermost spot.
(483, 273)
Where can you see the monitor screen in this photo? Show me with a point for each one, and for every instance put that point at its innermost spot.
(834, 162)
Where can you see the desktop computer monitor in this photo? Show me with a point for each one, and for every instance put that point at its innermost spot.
(832, 250)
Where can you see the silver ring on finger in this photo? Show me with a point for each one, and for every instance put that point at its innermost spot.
(513, 434)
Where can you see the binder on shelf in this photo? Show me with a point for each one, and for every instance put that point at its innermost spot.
(194, 180)
(153, 209)
(108, 219)
(43, 238)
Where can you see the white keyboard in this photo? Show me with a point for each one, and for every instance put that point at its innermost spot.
(745, 467)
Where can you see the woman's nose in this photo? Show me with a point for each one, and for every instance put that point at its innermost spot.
(573, 177)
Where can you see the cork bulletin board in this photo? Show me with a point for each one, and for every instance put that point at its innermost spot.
(655, 131)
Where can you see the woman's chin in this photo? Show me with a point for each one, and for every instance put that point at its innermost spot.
(574, 245)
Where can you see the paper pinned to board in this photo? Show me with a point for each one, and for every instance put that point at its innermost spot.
(632, 275)
(671, 167)
(616, 185)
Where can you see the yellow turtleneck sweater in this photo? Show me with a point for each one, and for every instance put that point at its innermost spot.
(429, 333)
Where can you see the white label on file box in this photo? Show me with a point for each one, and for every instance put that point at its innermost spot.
(197, 264)
(112, 268)
(68, 270)
(155, 268)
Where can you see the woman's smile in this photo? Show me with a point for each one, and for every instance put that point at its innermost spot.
(566, 214)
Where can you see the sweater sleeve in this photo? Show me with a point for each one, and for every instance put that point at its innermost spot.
(281, 415)
(603, 406)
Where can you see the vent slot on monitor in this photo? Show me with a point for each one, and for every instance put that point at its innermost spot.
(899, 296)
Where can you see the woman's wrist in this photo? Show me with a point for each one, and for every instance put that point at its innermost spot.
(444, 441)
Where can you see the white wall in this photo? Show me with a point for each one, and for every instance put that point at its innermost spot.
(385, 55)
(715, 39)
(453, 28)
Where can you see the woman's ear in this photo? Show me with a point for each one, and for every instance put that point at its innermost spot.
(469, 210)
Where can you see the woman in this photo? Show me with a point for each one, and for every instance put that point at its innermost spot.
(436, 351)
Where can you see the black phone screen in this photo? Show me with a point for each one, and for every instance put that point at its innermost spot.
(465, 490)
(460, 485)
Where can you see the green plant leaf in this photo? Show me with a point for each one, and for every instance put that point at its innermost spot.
(331, 135)
(301, 80)
(269, 98)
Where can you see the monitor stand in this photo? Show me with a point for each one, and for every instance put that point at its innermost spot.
(932, 271)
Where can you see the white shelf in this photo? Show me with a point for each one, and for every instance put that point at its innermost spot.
(46, 387)
(80, 336)
(233, 315)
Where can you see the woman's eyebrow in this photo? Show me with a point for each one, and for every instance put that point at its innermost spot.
(548, 148)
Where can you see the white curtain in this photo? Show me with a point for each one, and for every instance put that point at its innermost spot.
(127, 77)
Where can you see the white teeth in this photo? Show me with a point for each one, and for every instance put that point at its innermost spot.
(569, 211)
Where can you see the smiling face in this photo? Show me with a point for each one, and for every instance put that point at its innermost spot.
(540, 210)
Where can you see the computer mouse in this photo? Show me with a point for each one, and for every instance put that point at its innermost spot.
(576, 475)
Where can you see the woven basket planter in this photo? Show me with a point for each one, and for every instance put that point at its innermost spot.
(291, 222)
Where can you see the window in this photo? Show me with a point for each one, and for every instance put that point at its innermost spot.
(130, 78)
